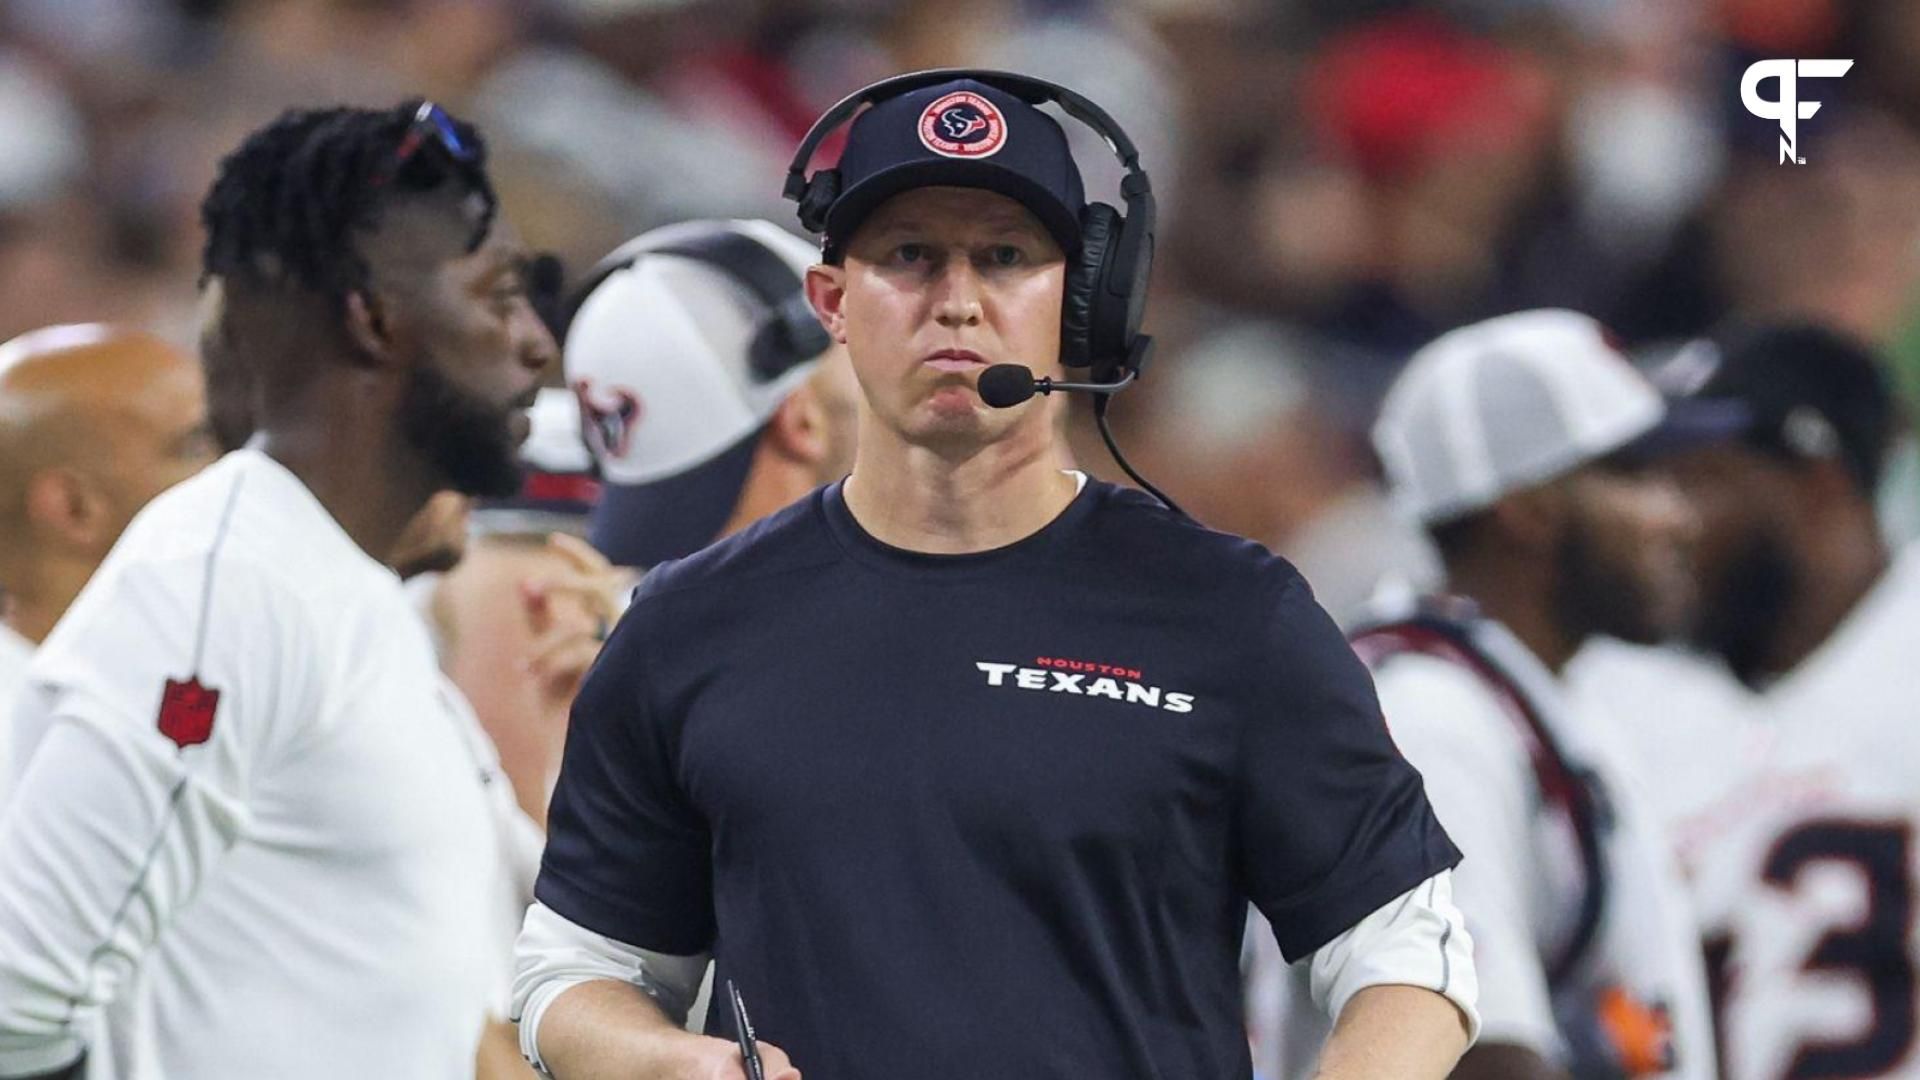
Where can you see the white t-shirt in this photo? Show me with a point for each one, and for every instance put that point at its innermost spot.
(1796, 812)
(1520, 882)
(252, 826)
(1685, 725)
(15, 653)
(520, 842)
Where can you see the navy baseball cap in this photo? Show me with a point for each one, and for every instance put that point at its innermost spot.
(1804, 391)
(961, 133)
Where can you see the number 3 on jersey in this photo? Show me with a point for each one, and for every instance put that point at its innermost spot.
(1872, 951)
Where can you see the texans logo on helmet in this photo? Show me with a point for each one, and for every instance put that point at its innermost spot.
(608, 424)
(963, 125)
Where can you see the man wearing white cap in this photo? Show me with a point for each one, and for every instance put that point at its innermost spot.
(710, 394)
(1520, 444)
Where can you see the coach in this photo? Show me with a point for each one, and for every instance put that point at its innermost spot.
(968, 765)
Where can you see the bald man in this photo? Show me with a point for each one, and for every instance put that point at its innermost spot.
(94, 422)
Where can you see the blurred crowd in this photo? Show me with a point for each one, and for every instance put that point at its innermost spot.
(1339, 181)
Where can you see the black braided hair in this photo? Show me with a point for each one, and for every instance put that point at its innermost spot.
(284, 208)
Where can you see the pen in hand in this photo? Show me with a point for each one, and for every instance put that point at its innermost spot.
(743, 1034)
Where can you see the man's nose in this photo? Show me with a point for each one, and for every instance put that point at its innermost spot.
(1670, 511)
(534, 342)
(957, 299)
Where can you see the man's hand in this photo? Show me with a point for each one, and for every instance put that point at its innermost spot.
(571, 610)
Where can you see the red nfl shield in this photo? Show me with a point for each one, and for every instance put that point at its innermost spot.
(186, 711)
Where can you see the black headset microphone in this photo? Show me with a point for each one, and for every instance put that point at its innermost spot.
(1005, 385)
(1106, 289)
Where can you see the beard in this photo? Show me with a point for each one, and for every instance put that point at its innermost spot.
(438, 561)
(1745, 603)
(1594, 596)
(468, 440)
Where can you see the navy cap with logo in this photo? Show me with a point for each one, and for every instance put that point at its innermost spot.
(960, 133)
(1801, 390)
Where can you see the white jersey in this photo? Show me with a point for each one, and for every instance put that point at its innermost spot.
(1796, 813)
(251, 830)
(15, 652)
(519, 837)
(1674, 711)
(520, 842)
(1636, 1004)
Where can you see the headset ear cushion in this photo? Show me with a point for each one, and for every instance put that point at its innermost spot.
(1080, 307)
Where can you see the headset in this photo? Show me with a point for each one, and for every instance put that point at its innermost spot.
(1106, 288)
(787, 333)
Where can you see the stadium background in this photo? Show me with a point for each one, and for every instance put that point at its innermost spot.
(1340, 179)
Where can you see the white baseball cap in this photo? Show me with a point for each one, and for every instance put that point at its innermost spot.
(1515, 401)
(682, 344)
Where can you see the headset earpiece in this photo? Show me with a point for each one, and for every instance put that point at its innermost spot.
(789, 335)
(1081, 307)
(1122, 296)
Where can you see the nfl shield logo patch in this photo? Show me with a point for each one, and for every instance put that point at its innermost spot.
(186, 711)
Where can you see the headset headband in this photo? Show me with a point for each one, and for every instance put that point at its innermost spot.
(788, 332)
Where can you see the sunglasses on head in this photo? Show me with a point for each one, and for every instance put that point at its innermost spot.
(431, 126)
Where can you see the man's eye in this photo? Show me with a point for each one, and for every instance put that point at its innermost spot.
(1007, 255)
(912, 253)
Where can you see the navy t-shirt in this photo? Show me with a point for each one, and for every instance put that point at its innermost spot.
(996, 814)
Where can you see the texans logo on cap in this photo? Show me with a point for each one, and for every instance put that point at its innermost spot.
(963, 125)
(607, 426)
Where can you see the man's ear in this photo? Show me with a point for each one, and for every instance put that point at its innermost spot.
(1821, 492)
(1824, 485)
(827, 292)
(67, 505)
(369, 328)
(798, 429)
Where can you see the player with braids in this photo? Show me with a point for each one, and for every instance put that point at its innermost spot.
(251, 839)
(281, 208)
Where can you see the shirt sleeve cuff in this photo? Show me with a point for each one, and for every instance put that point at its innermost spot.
(531, 1014)
(554, 955)
(1416, 939)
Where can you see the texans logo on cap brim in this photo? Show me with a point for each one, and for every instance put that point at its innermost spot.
(963, 125)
